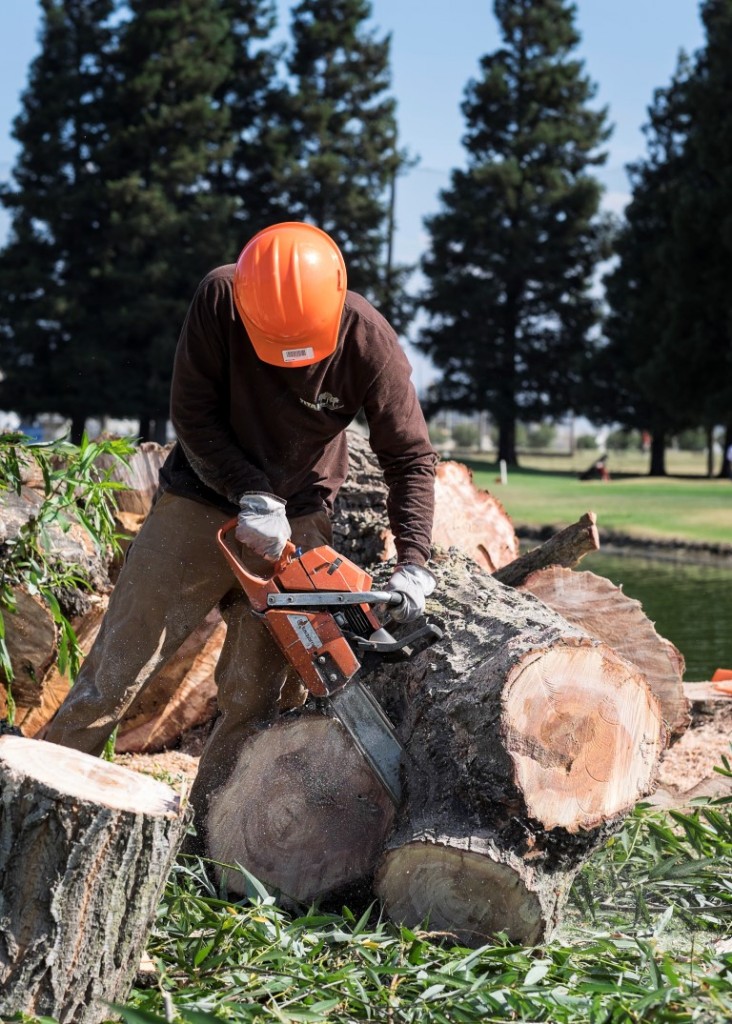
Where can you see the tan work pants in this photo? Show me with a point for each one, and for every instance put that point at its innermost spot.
(173, 575)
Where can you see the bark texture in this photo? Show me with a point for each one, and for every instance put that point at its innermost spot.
(85, 849)
(566, 548)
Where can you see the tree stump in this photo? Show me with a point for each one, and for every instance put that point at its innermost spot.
(85, 849)
(526, 742)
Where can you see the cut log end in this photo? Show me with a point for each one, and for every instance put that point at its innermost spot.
(440, 886)
(323, 822)
(78, 776)
(584, 733)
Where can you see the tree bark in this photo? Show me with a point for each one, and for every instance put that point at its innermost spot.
(54, 686)
(565, 548)
(30, 637)
(602, 610)
(85, 849)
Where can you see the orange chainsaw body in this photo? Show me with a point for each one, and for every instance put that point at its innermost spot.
(311, 640)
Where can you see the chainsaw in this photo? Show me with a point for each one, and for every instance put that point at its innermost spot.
(318, 606)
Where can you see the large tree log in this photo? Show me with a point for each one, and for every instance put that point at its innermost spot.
(302, 811)
(465, 517)
(139, 475)
(54, 686)
(526, 743)
(181, 696)
(601, 609)
(30, 636)
(471, 520)
(85, 849)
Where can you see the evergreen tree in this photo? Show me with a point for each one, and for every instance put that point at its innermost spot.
(257, 103)
(517, 242)
(703, 235)
(344, 141)
(670, 329)
(633, 372)
(51, 358)
(166, 131)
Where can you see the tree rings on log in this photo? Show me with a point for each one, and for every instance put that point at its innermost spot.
(85, 849)
(470, 890)
(302, 810)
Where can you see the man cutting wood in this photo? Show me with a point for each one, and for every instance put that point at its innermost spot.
(274, 361)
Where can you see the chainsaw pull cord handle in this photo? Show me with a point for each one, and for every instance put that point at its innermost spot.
(255, 587)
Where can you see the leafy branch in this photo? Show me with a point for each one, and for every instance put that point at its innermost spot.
(77, 488)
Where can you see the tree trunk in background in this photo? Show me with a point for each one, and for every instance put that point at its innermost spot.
(78, 426)
(726, 469)
(85, 849)
(658, 455)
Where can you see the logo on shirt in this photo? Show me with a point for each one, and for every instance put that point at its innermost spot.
(324, 401)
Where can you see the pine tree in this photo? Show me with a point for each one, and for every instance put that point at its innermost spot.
(703, 222)
(518, 239)
(670, 330)
(344, 140)
(634, 371)
(51, 359)
(166, 131)
(257, 102)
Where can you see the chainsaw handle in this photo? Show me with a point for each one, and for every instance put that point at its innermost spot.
(255, 587)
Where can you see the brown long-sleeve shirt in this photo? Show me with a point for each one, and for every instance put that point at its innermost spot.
(245, 425)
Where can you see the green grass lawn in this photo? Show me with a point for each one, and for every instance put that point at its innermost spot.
(546, 490)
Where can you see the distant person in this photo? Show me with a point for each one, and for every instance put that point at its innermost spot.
(598, 470)
(729, 461)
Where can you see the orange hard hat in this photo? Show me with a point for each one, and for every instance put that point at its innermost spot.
(289, 289)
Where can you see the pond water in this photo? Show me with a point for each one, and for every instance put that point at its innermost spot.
(690, 603)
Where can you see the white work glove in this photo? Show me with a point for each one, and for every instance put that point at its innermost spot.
(414, 583)
(262, 525)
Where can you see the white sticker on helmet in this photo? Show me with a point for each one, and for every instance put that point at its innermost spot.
(296, 355)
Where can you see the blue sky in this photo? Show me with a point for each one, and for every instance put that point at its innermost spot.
(629, 47)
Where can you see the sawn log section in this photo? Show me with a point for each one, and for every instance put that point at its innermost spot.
(526, 742)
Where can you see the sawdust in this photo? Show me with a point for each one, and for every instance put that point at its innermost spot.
(687, 770)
